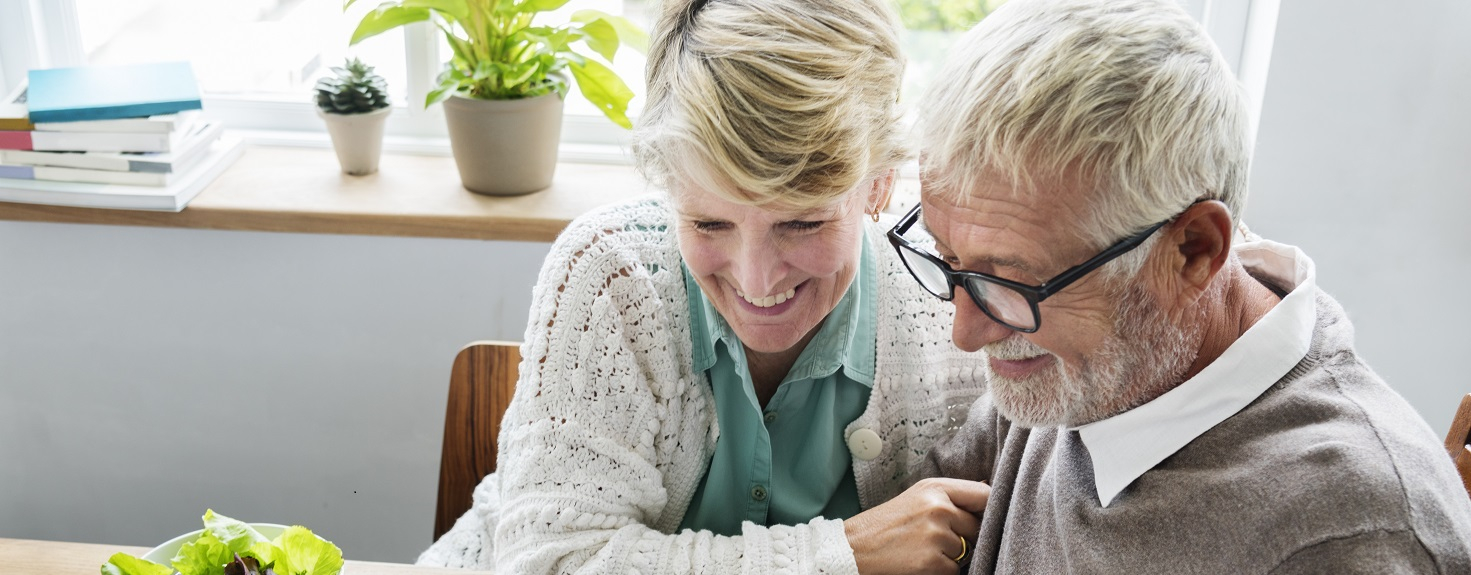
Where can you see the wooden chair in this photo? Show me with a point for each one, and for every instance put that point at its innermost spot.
(1458, 441)
(480, 387)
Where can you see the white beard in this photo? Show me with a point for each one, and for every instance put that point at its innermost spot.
(1145, 356)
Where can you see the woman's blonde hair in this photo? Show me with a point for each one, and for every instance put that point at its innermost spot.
(1127, 97)
(772, 101)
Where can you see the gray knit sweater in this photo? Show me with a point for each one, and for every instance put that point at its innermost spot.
(1329, 471)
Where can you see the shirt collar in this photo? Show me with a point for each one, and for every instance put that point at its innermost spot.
(1127, 445)
(844, 341)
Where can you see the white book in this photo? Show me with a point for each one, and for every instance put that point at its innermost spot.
(193, 147)
(149, 125)
(104, 141)
(170, 198)
(54, 174)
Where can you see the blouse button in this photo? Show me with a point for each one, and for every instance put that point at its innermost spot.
(758, 493)
(770, 416)
(865, 444)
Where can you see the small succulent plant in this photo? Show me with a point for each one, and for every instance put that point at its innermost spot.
(354, 90)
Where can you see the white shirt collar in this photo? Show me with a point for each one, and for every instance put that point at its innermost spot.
(1127, 445)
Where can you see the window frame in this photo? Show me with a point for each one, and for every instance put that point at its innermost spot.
(1244, 32)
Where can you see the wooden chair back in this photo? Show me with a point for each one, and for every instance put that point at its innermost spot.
(1458, 441)
(481, 384)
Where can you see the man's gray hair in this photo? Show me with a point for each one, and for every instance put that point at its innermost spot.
(1128, 98)
(788, 101)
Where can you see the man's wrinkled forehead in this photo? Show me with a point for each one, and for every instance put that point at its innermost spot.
(960, 232)
(1032, 225)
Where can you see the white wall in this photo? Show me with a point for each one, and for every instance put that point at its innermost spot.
(147, 374)
(1364, 161)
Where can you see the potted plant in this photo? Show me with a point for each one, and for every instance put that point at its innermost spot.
(503, 88)
(354, 103)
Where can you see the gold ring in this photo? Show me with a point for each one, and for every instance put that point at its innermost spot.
(963, 550)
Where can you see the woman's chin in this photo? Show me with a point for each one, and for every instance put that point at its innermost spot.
(761, 343)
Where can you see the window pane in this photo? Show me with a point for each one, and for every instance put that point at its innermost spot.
(932, 27)
(264, 49)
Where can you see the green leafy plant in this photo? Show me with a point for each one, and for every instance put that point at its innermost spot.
(500, 55)
(354, 90)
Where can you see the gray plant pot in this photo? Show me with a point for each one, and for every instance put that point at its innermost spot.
(357, 138)
(505, 147)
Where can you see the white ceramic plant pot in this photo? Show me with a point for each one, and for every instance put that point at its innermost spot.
(358, 139)
(505, 147)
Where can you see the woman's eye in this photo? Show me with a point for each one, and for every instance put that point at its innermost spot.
(710, 226)
(803, 226)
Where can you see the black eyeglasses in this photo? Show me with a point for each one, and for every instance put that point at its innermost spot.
(1009, 303)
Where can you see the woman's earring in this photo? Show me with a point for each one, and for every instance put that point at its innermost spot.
(875, 216)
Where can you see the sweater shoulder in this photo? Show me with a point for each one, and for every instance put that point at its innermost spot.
(625, 232)
(1335, 451)
(610, 298)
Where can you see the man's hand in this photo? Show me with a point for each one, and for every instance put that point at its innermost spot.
(919, 531)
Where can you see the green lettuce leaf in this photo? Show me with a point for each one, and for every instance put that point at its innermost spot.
(235, 534)
(206, 555)
(300, 552)
(124, 564)
(265, 552)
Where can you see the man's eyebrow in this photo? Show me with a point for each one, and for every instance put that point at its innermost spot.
(994, 261)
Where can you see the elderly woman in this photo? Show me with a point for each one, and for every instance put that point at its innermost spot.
(723, 379)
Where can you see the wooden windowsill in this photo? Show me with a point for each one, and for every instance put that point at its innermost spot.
(302, 190)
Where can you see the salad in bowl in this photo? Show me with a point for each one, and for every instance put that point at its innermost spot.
(230, 547)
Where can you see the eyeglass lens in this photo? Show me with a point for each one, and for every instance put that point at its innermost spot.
(1005, 304)
(930, 276)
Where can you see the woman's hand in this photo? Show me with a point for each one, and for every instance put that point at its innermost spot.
(920, 530)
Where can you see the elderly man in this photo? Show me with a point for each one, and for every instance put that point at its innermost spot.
(1168, 394)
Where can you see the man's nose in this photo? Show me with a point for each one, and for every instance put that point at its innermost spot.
(973, 328)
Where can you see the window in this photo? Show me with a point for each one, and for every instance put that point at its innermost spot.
(257, 59)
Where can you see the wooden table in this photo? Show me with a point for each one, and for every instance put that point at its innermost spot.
(29, 557)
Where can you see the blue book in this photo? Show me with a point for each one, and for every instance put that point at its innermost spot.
(17, 172)
(111, 92)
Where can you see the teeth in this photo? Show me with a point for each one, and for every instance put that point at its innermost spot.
(770, 300)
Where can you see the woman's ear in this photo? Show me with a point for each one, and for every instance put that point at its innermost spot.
(882, 192)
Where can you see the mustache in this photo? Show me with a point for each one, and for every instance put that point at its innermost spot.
(1013, 348)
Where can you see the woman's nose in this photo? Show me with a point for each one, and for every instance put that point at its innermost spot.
(760, 267)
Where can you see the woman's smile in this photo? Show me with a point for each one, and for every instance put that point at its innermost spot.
(771, 305)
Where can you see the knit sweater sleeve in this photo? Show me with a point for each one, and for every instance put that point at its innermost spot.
(606, 436)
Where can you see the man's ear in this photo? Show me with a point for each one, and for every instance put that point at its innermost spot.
(883, 190)
(1197, 244)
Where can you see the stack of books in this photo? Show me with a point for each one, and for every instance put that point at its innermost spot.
(129, 136)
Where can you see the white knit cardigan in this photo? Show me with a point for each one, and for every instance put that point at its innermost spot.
(611, 428)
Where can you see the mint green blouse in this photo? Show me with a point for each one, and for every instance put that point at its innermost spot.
(789, 463)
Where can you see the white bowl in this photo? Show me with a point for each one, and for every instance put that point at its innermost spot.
(164, 554)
